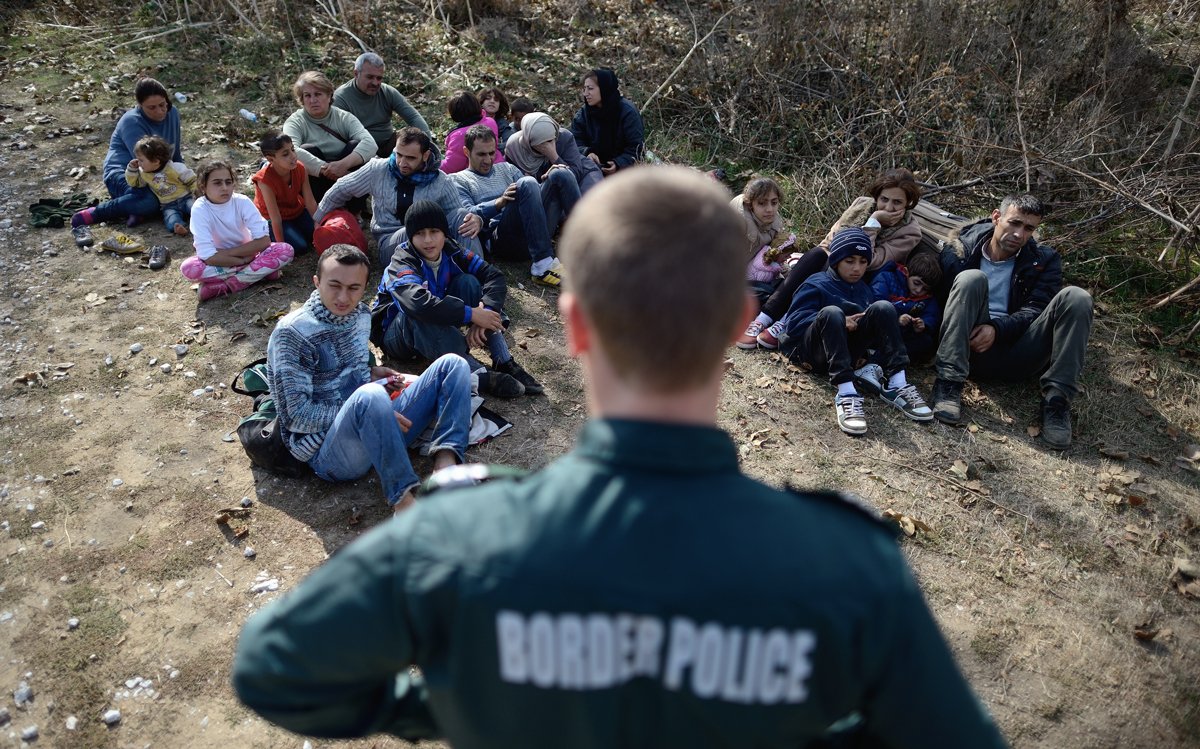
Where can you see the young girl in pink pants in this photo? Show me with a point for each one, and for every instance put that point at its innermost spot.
(233, 247)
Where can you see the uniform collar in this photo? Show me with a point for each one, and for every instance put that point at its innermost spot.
(658, 447)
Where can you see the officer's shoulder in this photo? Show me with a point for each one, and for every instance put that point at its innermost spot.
(854, 506)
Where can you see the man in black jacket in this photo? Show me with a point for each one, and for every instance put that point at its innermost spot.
(1008, 316)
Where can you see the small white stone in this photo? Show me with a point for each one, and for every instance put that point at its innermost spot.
(111, 717)
(249, 552)
(72, 721)
(174, 673)
(181, 349)
(165, 369)
(72, 623)
(29, 733)
(118, 482)
(136, 348)
(197, 392)
(6, 616)
(39, 525)
(246, 501)
(108, 361)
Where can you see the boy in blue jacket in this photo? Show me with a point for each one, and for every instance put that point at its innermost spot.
(431, 290)
(832, 322)
(909, 288)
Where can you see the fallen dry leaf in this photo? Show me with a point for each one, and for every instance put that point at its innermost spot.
(1114, 453)
(960, 469)
(532, 332)
(908, 524)
(1145, 632)
(1033, 430)
(1191, 452)
(765, 381)
(972, 428)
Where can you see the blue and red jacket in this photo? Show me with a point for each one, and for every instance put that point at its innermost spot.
(891, 284)
(411, 286)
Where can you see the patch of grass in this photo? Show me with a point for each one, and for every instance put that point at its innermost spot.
(75, 661)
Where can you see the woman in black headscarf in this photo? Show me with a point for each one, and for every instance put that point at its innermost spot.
(608, 128)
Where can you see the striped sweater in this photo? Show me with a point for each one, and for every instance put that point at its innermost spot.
(315, 361)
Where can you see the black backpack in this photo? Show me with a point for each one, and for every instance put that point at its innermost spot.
(259, 432)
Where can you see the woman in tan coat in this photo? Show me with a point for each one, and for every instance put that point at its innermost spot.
(885, 214)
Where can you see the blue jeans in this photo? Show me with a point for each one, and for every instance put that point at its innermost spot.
(365, 433)
(127, 201)
(298, 232)
(521, 226)
(177, 212)
(560, 193)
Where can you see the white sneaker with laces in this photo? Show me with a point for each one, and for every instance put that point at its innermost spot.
(851, 418)
(909, 401)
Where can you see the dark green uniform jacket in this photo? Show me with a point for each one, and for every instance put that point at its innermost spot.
(638, 592)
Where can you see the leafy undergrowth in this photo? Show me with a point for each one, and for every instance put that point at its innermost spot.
(1053, 575)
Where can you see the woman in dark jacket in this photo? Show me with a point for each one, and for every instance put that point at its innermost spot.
(608, 128)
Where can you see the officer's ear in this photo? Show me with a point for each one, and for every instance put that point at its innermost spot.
(575, 327)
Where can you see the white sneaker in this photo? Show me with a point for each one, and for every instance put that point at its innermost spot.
(909, 401)
(851, 418)
(869, 377)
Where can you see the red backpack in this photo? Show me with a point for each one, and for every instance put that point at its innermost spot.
(339, 227)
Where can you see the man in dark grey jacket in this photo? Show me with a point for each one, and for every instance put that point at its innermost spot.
(1008, 316)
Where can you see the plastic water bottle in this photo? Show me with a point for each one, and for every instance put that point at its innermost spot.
(248, 115)
(181, 97)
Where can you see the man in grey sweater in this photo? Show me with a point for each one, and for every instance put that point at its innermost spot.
(410, 174)
(513, 206)
(373, 102)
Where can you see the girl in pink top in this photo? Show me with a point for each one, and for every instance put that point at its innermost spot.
(466, 112)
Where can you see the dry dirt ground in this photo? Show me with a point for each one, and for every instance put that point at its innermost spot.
(1048, 572)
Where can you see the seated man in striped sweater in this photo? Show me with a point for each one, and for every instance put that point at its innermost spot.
(341, 415)
(512, 206)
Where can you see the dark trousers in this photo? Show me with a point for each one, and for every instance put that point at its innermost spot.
(828, 346)
(320, 185)
(811, 262)
(409, 338)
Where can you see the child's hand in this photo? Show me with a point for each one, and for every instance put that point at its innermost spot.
(852, 322)
(133, 165)
(609, 168)
(906, 320)
(918, 325)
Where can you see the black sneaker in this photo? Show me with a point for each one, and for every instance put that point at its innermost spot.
(83, 236)
(947, 401)
(501, 385)
(160, 255)
(1056, 422)
(511, 368)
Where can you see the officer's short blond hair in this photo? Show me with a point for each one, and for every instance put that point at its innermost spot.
(656, 259)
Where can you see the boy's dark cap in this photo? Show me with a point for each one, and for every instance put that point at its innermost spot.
(847, 242)
(425, 214)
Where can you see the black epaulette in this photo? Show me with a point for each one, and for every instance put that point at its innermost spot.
(849, 501)
(468, 474)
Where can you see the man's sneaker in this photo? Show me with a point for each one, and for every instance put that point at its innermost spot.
(909, 401)
(749, 339)
(502, 385)
(83, 236)
(869, 377)
(551, 278)
(160, 255)
(769, 338)
(516, 371)
(947, 401)
(850, 415)
(1056, 422)
(123, 244)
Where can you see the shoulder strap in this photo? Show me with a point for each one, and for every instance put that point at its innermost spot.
(244, 388)
(334, 133)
